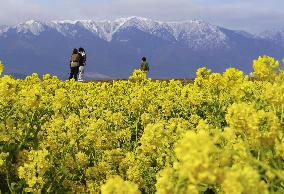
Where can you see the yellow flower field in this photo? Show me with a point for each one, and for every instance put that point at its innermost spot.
(223, 134)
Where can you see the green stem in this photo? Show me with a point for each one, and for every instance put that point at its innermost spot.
(281, 118)
(274, 109)
(8, 181)
(27, 132)
(136, 131)
(267, 167)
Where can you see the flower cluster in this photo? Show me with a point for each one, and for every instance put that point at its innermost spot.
(221, 133)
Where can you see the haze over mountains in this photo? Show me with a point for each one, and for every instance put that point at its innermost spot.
(114, 48)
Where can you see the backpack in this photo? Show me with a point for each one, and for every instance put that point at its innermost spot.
(144, 66)
(74, 60)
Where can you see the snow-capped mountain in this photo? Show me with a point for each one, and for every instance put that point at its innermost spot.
(274, 36)
(175, 49)
(194, 34)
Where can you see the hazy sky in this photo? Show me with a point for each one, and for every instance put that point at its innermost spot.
(250, 15)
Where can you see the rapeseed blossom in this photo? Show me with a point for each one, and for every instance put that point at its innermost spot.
(222, 133)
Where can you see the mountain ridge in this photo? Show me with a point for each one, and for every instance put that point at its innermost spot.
(180, 31)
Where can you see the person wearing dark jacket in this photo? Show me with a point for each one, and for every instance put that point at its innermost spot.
(82, 63)
(74, 64)
(144, 65)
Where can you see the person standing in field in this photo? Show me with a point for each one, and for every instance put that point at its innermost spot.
(144, 65)
(74, 64)
(82, 63)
